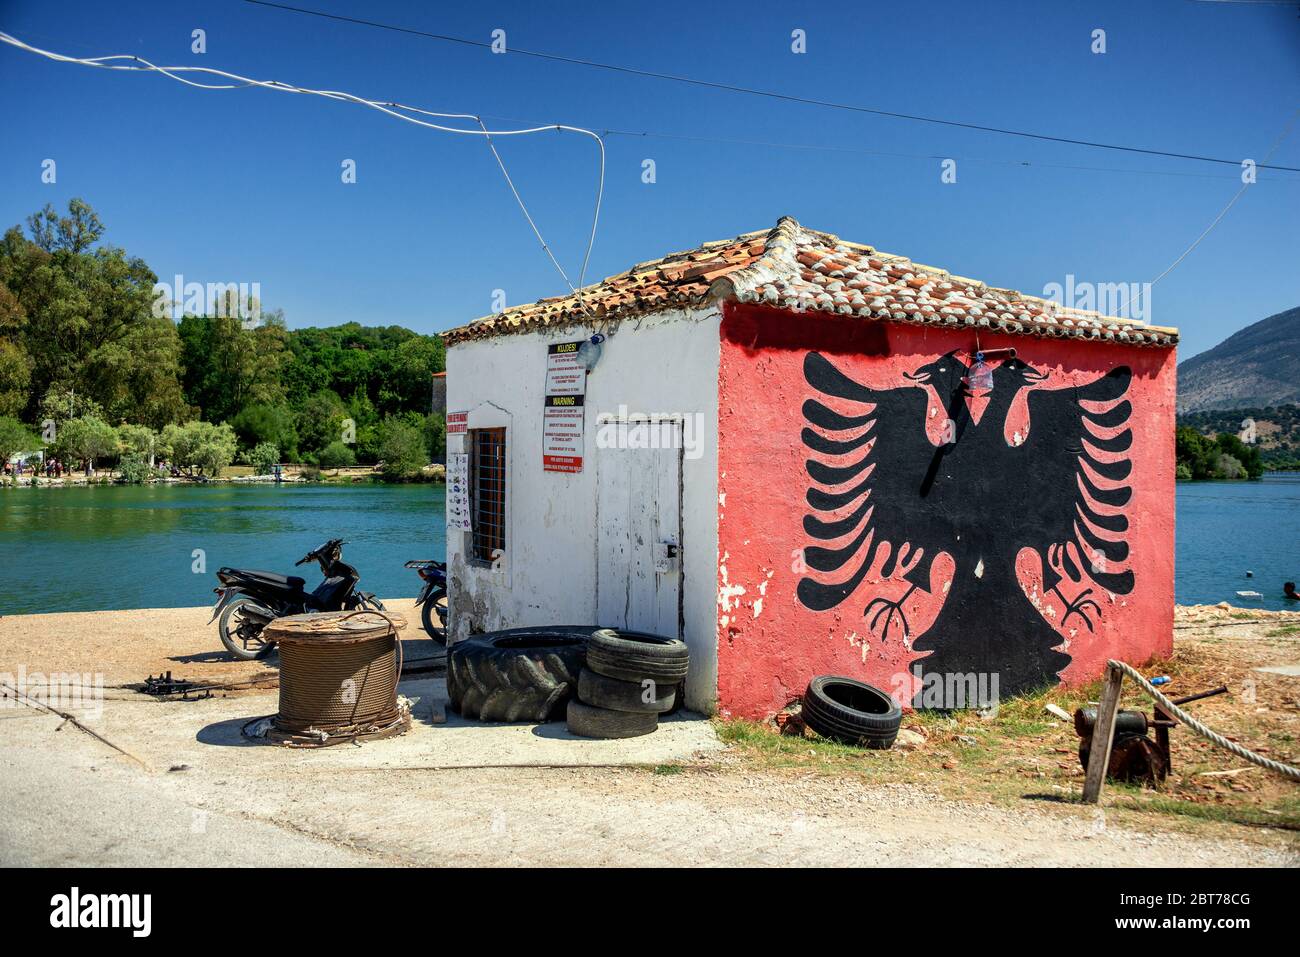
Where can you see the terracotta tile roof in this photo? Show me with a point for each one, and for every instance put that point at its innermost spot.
(803, 270)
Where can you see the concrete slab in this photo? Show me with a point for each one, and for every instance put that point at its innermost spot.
(208, 734)
(1291, 671)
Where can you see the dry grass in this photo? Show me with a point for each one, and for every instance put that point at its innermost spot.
(1023, 753)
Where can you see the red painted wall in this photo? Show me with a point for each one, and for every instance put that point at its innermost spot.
(770, 643)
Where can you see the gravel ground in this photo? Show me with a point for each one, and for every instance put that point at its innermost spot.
(69, 799)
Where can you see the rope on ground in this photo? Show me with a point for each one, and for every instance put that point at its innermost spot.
(67, 718)
(1212, 736)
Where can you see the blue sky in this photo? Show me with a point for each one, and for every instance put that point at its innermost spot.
(245, 185)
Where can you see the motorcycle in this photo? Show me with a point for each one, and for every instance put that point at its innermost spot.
(248, 599)
(433, 596)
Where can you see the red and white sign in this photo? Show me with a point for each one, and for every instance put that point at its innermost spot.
(562, 434)
(562, 418)
(457, 423)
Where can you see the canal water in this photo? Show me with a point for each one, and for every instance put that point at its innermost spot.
(102, 547)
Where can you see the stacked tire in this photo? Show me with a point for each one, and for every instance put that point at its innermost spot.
(630, 678)
(851, 712)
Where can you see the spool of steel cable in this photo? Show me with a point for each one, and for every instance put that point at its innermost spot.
(338, 678)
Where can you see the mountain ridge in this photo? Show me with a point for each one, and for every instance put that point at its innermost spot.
(1257, 366)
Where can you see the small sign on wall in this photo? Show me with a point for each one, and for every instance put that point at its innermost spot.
(564, 374)
(562, 416)
(457, 423)
(458, 515)
(562, 434)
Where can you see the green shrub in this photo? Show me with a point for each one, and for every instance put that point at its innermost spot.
(134, 469)
(401, 449)
(264, 457)
(335, 456)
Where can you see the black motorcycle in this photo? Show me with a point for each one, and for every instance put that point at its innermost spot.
(248, 600)
(433, 596)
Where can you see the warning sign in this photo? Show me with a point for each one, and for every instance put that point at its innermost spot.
(562, 434)
(564, 374)
(457, 422)
(562, 417)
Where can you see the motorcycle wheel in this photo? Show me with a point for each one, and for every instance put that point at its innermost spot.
(373, 603)
(429, 617)
(241, 630)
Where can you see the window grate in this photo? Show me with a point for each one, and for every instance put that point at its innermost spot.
(488, 493)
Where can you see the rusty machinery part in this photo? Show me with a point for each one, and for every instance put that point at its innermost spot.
(165, 687)
(851, 712)
(339, 673)
(1126, 722)
(520, 674)
(1171, 709)
(1134, 758)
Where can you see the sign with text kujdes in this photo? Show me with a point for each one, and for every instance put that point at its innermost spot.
(562, 414)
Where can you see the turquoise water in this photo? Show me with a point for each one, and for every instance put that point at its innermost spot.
(101, 547)
(1228, 528)
(78, 549)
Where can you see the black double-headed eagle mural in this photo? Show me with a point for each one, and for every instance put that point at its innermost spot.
(880, 489)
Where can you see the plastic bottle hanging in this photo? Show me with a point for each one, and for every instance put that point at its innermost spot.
(980, 375)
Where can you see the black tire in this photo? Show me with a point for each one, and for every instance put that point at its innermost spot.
(239, 632)
(429, 617)
(614, 695)
(851, 712)
(521, 674)
(636, 656)
(588, 722)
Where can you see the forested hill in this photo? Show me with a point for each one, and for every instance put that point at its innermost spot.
(1258, 366)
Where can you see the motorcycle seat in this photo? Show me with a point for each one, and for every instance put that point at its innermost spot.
(272, 578)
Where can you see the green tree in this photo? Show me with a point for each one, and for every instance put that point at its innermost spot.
(261, 423)
(264, 457)
(74, 233)
(135, 469)
(1247, 456)
(15, 364)
(401, 449)
(14, 438)
(84, 316)
(320, 421)
(85, 439)
(200, 448)
(335, 456)
(138, 440)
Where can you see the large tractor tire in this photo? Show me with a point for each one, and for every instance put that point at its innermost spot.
(521, 674)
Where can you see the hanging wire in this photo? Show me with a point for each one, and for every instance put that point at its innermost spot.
(140, 64)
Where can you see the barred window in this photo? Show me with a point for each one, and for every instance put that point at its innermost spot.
(487, 489)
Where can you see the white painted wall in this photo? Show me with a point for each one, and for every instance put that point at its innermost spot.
(664, 364)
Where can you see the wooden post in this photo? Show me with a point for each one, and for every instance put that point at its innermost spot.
(1103, 736)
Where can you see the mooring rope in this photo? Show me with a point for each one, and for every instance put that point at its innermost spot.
(1209, 735)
